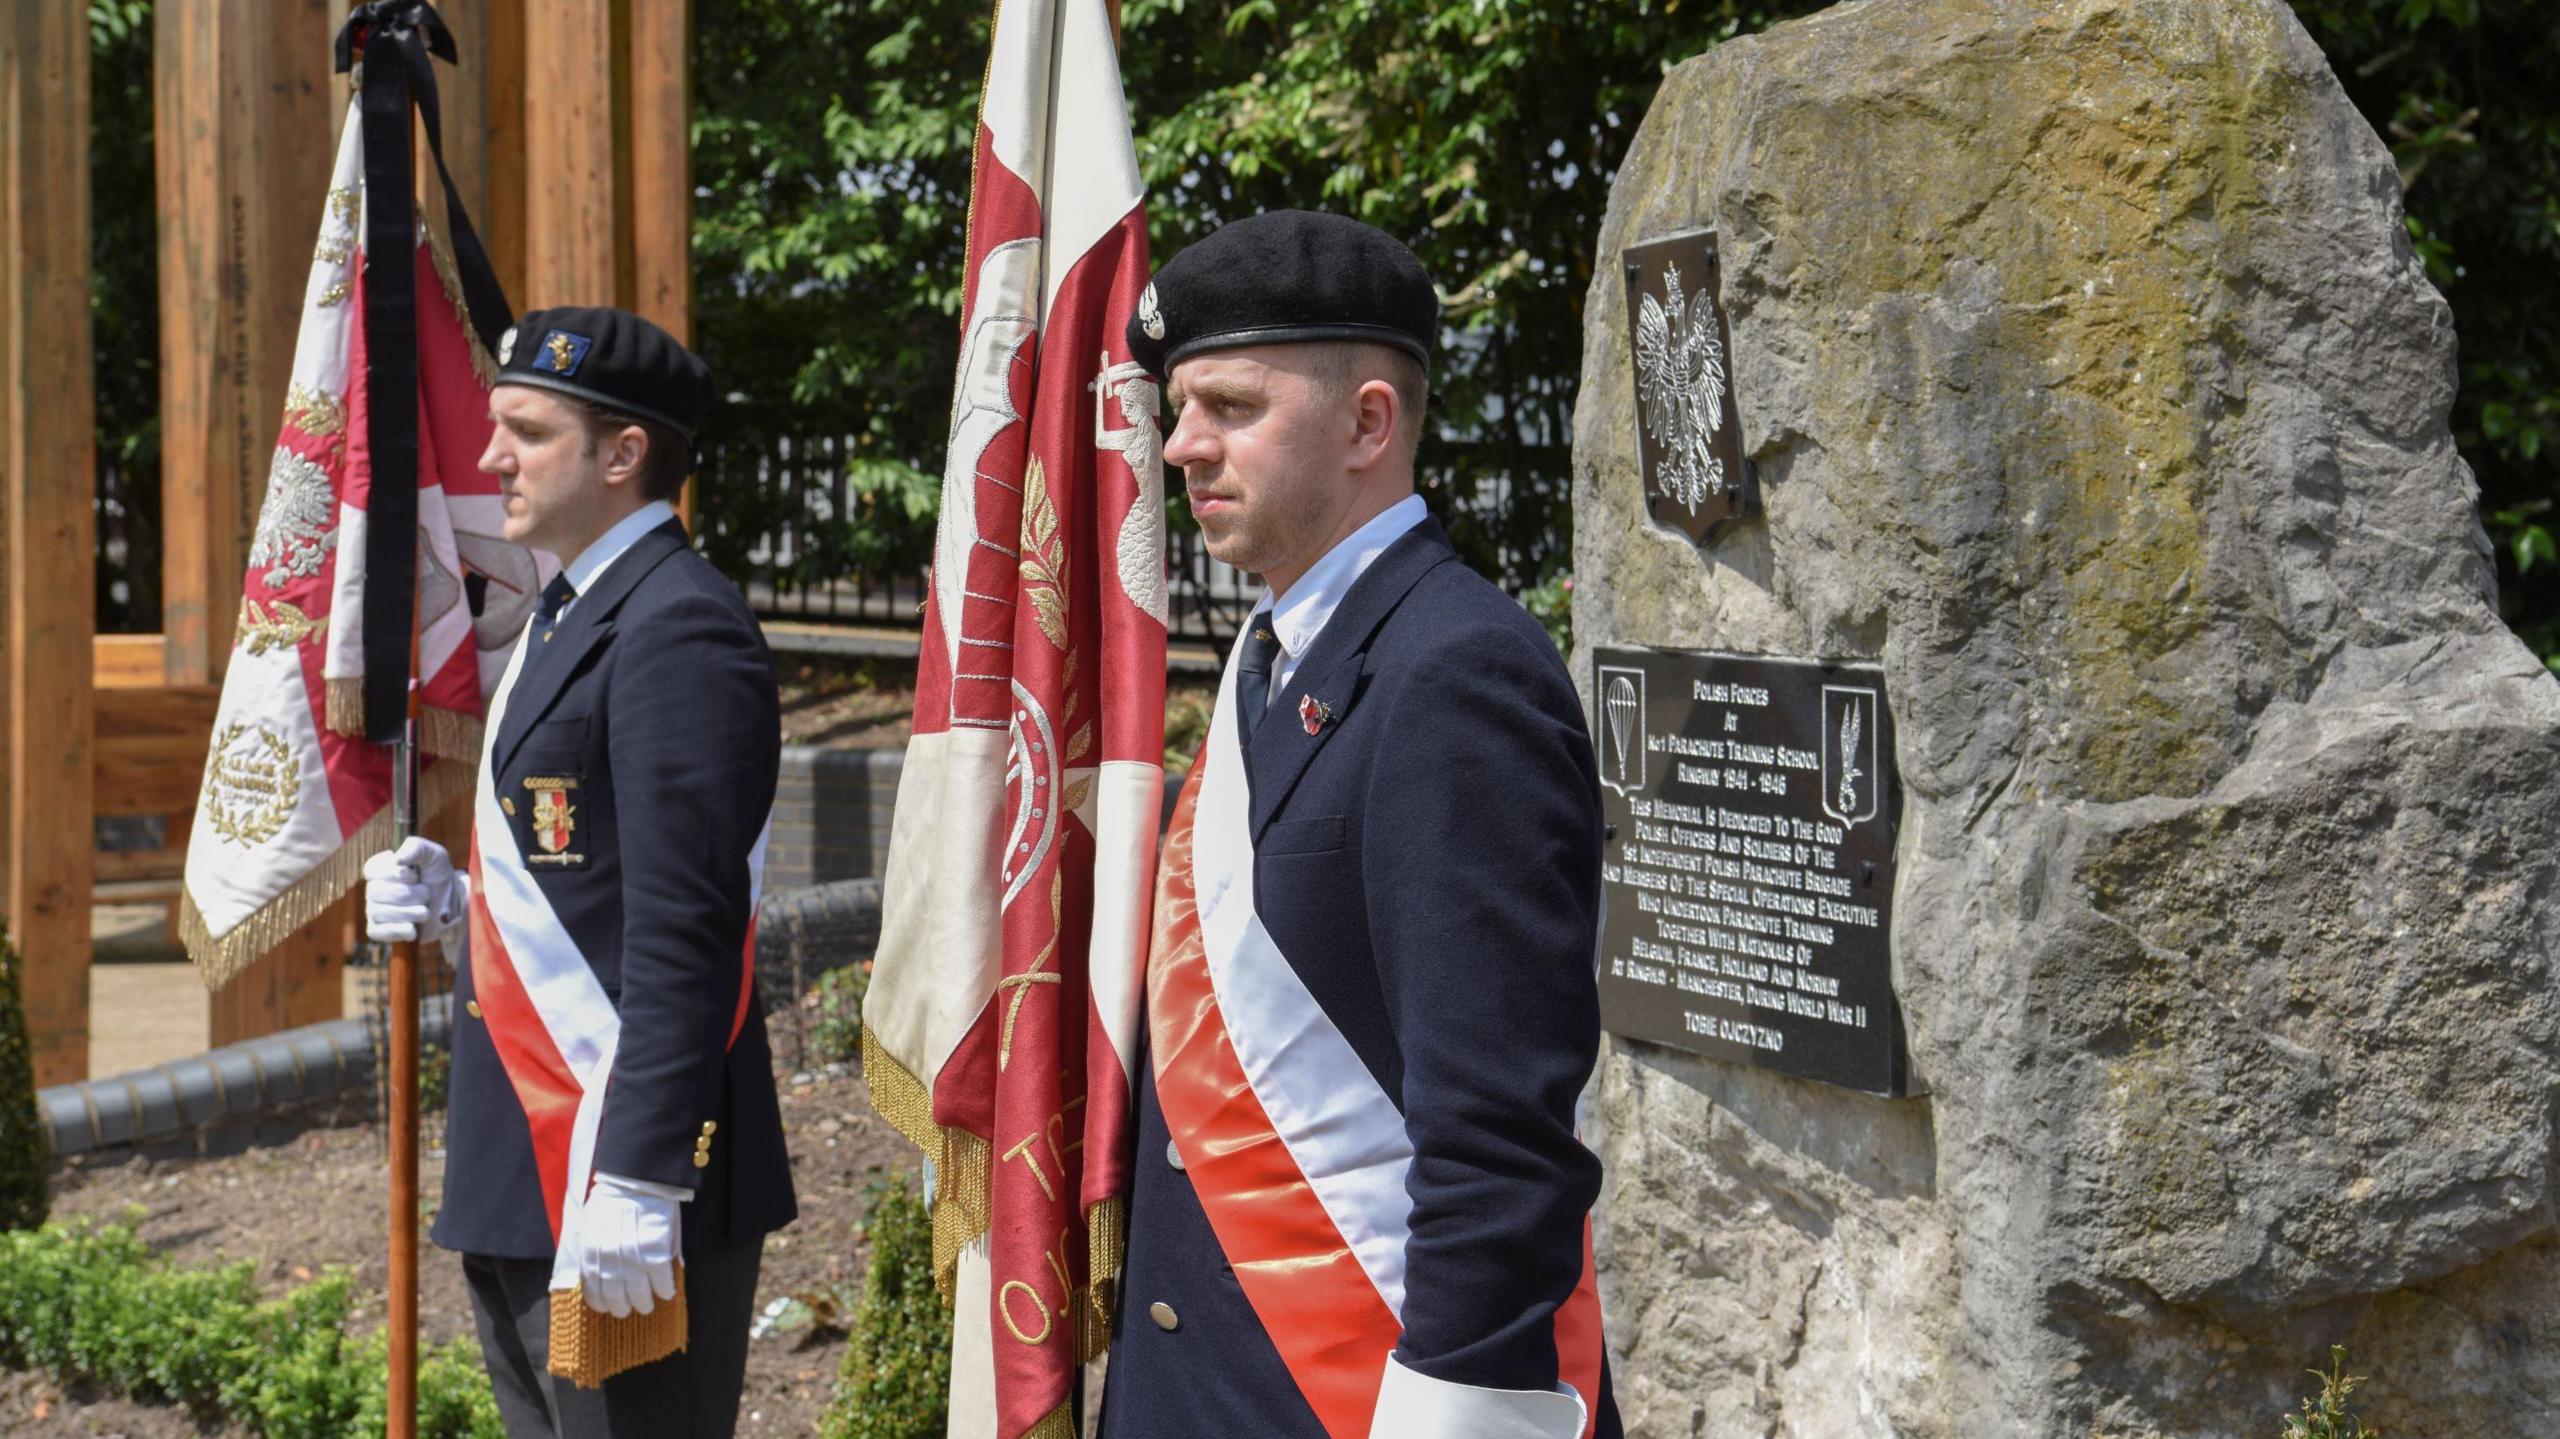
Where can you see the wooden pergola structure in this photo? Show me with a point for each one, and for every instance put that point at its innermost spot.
(567, 128)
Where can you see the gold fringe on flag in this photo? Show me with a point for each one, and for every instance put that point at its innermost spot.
(346, 706)
(440, 255)
(960, 1159)
(589, 1346)
(450, 734)
(1058, 1423)
(219, 958)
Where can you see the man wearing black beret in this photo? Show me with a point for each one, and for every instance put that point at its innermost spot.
(1360, 1206)
(612, 1129)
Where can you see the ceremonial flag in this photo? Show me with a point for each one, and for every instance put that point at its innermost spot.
(1000, 1029)
(373, 495)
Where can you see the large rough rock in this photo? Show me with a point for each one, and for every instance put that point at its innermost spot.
(2095, 393)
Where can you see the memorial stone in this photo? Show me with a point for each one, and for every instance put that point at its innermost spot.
(2097, 406)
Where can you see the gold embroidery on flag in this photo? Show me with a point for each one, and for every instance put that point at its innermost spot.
(1037, 973)
(280, 625)
(336, 294)
(219, 958)
(1044, 555)
(312, 412)
(252, 781)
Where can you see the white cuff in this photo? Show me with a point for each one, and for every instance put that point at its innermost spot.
(1415, 1406)
(650, 1187)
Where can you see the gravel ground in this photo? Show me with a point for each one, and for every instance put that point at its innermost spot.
(295, 1208)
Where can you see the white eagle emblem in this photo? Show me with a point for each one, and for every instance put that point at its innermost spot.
(297, 522)
(1150, 314)
(506, 344)
(1680, 389)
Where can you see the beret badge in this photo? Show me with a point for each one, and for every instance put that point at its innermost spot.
(1150, 314)
(562, 352)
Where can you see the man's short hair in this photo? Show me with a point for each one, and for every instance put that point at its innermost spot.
(663, 468)
(1342, 367)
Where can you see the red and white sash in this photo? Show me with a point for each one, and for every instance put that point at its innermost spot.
(1297, 1155)
(554, 1028)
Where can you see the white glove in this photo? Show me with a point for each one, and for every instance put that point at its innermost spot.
(412, 892)
(627, 1243)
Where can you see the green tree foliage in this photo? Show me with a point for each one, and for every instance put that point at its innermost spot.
(896, 1378)
(24, 1196)
(833, 140)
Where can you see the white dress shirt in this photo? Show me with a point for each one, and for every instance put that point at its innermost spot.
(590, 564)
(1299, 616)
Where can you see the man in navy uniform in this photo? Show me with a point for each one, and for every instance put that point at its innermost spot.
(612, 1106)
(1360, 1205)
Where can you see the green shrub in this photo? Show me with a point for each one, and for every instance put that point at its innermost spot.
(96, 1304)
(2327, 1416)
(835, 1014)
(23, 1198)
(895, 1382)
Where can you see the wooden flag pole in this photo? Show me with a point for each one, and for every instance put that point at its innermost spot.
(403, 1023)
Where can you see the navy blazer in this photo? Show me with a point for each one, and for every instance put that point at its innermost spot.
(1429, 862)
(655, 695)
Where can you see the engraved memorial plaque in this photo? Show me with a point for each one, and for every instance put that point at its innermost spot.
(1688, 430)
(1748, 873)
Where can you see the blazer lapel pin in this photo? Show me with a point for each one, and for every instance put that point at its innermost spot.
(1314, 713)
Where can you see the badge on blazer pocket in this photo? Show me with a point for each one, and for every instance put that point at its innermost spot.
(554, 820)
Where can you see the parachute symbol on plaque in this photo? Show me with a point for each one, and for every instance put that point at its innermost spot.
(1622, 718)
(1848, 753)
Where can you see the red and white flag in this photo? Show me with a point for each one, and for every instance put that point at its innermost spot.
(1001, 1026)
(294, 797)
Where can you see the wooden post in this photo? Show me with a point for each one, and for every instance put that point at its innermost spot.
(572, 204)
(659, 108)
(242, 95)
(48, 465)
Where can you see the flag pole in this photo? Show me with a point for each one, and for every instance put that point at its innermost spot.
(402, 1396)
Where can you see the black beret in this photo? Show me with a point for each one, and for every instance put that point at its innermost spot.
(611, 358)
(1282, 278)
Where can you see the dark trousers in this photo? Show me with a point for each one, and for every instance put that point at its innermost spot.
(691, 1394)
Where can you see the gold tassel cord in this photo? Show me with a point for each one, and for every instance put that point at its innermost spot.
(219, 958)
(589, 1346)
(961, 1160)
(1106, 1233)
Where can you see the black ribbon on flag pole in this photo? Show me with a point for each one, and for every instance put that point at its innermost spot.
(401, 40)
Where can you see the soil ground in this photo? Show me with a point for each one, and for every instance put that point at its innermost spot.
(297, 1208)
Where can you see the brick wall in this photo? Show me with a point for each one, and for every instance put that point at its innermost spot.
(831, 815)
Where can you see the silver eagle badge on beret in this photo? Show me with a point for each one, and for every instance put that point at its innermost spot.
(1150, 314)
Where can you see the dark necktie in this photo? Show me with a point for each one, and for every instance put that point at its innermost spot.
(1253, 679)
(554, 595)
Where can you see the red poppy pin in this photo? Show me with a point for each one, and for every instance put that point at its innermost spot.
(1314, 713)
